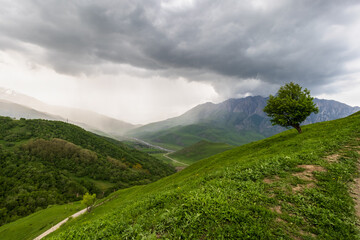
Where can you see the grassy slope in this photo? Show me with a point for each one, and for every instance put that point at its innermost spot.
(184, 136)
(225, 196)
(33, 225)
(199, 150)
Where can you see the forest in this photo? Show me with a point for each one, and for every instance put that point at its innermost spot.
(49, 162)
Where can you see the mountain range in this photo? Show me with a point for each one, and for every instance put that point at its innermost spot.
(31, 108)
(17, 111)
(234, 121)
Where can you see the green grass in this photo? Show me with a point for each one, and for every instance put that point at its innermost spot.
(225, 196)
(100, 184)
(199, 150)
(33, 225)
(183, 136)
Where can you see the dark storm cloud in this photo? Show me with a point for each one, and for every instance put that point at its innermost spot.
(276, 42)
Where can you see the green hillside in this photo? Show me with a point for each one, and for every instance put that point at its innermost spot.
(184, 136)
(199, 150)
(47, 162)
(31, 226)
(289, 186)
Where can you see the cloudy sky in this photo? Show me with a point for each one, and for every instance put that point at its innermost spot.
(143, 61)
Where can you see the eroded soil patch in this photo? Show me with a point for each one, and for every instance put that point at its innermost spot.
(333, 158)
(355, 187)
(300, 187)
(276, 209)
(271, 180)
(307, 174)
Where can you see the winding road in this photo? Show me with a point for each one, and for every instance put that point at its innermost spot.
(163, 149)
(167, 156)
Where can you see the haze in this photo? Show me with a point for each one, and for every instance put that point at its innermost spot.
(143, 61)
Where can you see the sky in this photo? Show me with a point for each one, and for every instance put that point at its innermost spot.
(145, 61)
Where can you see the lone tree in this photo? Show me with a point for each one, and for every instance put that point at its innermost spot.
(88, 201)
(290, 106)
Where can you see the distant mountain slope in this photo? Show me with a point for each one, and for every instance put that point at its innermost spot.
(200, 150)
(190, 134)
(50, 162)
(18, 111)
(84, 118)
(243, 118)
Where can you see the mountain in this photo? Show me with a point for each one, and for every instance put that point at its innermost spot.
(18, 111)
(288, 186)
(87, 119)
(199, 150)
(51, 162)
(235, 121)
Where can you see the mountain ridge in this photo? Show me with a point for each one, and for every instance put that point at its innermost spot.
(87, 119)
(243, 116)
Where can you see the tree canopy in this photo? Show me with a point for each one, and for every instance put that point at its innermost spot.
(290, 106)
(88, 201)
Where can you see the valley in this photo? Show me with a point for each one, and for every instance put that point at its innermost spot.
(82, 161)
(291, 183)
(180, 119)
(266, 179)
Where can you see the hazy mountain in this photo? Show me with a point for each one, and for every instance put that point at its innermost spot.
(84, 118)
(14, 110)
(242, 118)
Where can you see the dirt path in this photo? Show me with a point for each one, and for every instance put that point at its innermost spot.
(356, 196)
(163, 149)
(75, 215)
(355, 189)
(151, 145)
(54, 228)
(166, 155)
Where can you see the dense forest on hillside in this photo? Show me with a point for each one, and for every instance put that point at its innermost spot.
(48, 162)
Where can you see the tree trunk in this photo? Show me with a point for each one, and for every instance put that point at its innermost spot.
(297, 127)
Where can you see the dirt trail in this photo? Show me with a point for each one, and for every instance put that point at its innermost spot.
(166, 155)
(75, 215)
(355, 190)
(54, 228)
